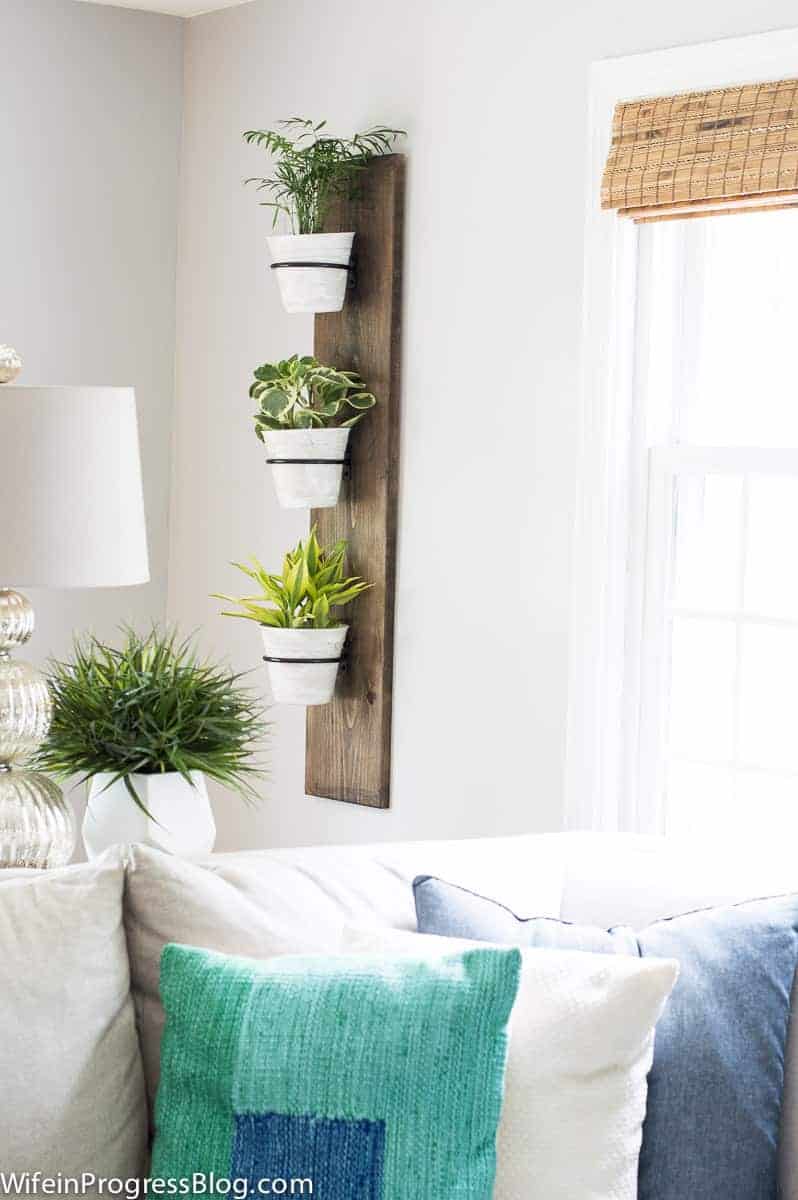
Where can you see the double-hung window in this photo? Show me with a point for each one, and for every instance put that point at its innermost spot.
(684, 678)
(713, 667)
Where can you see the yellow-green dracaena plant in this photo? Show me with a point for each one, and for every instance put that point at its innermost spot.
(312, 583)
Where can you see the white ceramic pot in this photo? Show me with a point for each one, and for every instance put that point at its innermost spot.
(311, 289)
(183, 820)
(303, 682)
(303, 484)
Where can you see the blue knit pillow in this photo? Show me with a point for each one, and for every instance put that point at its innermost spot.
(714, 1101)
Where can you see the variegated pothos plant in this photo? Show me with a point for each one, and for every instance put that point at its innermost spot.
(302, 393)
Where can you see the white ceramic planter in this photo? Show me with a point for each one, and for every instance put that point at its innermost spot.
(183, 821)
(311, 289)
(304, 484)
(303, 682)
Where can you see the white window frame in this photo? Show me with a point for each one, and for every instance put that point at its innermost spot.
(605, 745)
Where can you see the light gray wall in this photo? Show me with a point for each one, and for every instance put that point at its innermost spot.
(90, 123)
(494, 98)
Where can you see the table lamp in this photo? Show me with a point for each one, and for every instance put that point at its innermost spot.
(71, 516)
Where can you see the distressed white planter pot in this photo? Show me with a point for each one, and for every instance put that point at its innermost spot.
(303, 682)
(307, 484)
(310, 289)
(183, 820)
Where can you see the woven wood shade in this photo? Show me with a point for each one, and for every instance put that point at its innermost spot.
(729, 150)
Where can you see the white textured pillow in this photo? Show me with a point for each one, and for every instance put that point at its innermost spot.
(171, 900)
(581, 1045)
(266, 903)
(72, 1080)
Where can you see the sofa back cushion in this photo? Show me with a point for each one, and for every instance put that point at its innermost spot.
(632, 879)
(70, 1065)
(267, 903)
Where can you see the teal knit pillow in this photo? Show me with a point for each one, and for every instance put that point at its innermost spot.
(372, 1078)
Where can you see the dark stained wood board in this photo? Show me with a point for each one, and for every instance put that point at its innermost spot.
(349, 740)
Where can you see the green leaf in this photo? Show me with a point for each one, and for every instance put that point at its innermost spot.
(275, 403)
(262, 423)
(346, 595)
(131, 791)
(361, 400)
(293, 583)
(272, 618)
(312, 552)
(321, 613)
(267, 373)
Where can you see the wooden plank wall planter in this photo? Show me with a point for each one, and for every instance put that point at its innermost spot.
(349, 740)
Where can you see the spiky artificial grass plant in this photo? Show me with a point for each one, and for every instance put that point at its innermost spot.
(149, 707)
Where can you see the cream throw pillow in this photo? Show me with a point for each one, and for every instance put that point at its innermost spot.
(581, 1046)
(73, 1087)
(266, 903)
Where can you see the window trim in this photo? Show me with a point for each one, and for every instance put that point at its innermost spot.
(599, 789)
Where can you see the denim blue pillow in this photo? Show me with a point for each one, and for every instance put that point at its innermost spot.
(714, 1100)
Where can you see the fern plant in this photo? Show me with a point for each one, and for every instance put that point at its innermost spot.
(311, 167)
(312, 583)
(149, 707)
(301, 393)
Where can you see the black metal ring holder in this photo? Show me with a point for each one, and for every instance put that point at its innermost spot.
(346, 463)
(350, 267)
(342, 660)
(307, 462)
(271, 658)
(294, 266)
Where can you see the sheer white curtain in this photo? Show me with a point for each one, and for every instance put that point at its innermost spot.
(688, 713)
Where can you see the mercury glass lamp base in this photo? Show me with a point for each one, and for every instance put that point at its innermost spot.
(37, 828)
(26, 709)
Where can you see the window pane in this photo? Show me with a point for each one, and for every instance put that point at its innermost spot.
(771, 578)
(707, 801)
(700, 799)
(708, 542)
(734, 345)
(769, 696)
(702, 688)
(767, 804)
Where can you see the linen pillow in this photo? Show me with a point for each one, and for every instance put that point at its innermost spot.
(581, 1043)
(73, 1088)
(374, 1079)
(172, 900)
(267, 903)
(716, 1086)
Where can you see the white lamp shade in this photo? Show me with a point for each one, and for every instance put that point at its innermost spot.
(71, 503)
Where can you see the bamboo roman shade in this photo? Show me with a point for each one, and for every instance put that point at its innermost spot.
(701, 153)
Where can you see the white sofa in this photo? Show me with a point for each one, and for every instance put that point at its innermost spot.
(263, 903)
